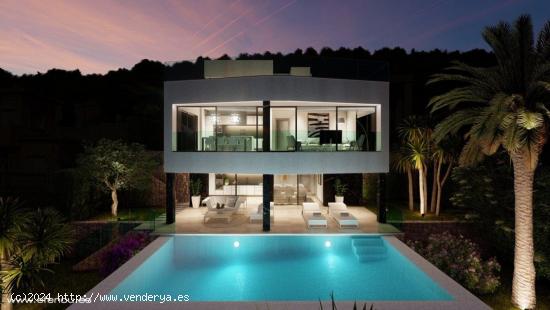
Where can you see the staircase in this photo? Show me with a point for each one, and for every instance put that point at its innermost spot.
(369, 249)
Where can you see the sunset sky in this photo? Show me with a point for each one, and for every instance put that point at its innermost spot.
(100, 35)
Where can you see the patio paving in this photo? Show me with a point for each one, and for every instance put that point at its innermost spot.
(288, 219)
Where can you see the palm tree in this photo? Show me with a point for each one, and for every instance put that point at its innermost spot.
(11, 219)
(402, 164)
(415, 136)
(417, 154)
(46, 237)
(443, 153)
(505, 105)
(29, 242)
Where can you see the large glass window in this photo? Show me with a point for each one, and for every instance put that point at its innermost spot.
(236, 129)
(292, 129)
(237, 184)
(294, 189)
(359, 128)
(195, 128)
(225, 129)
(283, 129)
(317, 131)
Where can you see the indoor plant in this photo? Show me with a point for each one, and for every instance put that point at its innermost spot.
(340, 189)
(196, 193)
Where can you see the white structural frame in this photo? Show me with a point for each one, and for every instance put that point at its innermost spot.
(277, 90)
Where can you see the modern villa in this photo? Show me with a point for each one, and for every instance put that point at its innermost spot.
(267, 231)
(272, 139)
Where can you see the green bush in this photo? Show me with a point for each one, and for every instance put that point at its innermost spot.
(459, 258)
(487, 192)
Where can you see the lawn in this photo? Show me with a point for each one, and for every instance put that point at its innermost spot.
(130, 214)
(399, 211)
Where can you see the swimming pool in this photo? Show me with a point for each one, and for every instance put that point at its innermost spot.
(218, 268)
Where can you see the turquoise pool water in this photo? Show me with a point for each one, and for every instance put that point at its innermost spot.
(281, 268)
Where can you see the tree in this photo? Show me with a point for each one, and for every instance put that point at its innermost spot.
(114, 165)
(506, 106)
(402, 164)
(443, 153)
(11, 220)
(415, 136)
(31, 241)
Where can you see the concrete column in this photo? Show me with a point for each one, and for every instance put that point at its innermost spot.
(381, 198)
(170, 199)
(267, 193)
(266, 126)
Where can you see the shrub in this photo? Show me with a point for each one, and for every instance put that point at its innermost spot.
(459, 258)
(487, 191)
(122, 251)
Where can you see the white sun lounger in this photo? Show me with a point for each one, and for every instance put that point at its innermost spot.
(310, 207)
(339, 211)
(315, 220)
(337, 207)
(345, 219)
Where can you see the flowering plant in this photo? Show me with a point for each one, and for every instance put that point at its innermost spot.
(122, 251)
(459, 258)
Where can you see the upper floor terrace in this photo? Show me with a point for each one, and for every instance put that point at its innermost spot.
(248, 111)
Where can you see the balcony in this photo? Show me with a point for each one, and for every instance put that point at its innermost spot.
(326, 128)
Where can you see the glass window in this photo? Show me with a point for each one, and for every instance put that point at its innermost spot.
(283, 129)
(317, 131)
(359, 128)
(228, 129)
(187, 129)
(259, 128)
(249, 184)
(236, 129)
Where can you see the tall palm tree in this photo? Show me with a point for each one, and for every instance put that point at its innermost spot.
(417, 154)
(506, 105)
(402, 164)
(11, 220)
(415, 136)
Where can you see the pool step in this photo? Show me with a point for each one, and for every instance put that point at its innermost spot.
(369, 249)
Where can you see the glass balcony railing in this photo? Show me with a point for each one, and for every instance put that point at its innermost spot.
(292, 129)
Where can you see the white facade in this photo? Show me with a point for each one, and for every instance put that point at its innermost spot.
(302, 92)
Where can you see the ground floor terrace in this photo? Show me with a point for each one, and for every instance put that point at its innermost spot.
(281, 203)
(285, 219)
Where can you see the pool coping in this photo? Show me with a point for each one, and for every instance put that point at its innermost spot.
(463, 299)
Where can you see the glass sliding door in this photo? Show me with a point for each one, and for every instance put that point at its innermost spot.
(223, 129)
(236, 129)
(285, 189)
(283, 129)
(359, 128)
(293, 189)
(317, 130)
(195, 129)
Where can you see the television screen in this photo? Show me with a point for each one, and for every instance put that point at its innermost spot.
(330, 136)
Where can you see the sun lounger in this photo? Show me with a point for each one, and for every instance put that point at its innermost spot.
(310, 207)
(315, 220)
(345, 219)
(336, 207)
